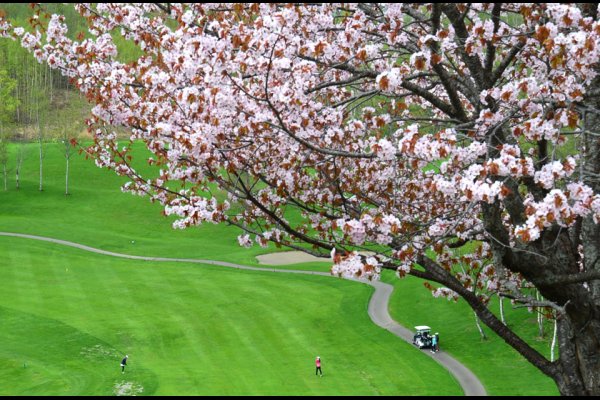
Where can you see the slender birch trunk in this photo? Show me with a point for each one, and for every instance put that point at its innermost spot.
(481, 332)
(18, 166)
(67, 179)
(553, 345)
(501, 299)
(68, 145)
(41, 151)
(540, 316)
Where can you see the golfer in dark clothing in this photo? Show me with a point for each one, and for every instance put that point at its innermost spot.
(124, 363)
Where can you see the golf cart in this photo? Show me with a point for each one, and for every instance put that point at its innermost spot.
(422, 338)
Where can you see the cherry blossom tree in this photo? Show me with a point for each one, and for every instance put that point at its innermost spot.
(425, 134)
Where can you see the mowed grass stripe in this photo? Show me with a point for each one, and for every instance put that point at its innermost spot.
(189, 335)
(96, 285)
(252, 323)
(175, 331)
(212, 309)
(49, 366)
(272, 324)
(26, 282)
(285, 350)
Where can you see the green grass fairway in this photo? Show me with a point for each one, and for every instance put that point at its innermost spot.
(69, 316)
(97, 214)
(164, 315)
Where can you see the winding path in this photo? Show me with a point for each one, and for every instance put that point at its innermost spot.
(378, 306)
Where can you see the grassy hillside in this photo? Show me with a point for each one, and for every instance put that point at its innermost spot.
(155, 311)
(70, 316)
(97, 214)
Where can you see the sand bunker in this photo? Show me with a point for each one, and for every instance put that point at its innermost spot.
(294, 257)
(288, 257)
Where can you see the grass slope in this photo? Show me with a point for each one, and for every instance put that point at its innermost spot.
(98, 215)
(70, 315)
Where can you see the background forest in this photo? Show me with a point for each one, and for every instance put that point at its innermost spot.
(38, 104)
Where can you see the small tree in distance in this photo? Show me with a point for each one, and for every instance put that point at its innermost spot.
(8, 105)
(432, 135)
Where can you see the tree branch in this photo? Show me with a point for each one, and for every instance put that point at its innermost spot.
(531, 354)
(559, 280)
(472, 62)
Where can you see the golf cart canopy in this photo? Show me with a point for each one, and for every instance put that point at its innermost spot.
(422, 328)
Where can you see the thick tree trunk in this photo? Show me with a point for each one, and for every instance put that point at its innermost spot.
(579, 329)
(577, 370)
(579, 357)
(579, 332)
(544, 263)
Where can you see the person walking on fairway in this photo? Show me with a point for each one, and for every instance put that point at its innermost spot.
(124, 363)
(318, 364)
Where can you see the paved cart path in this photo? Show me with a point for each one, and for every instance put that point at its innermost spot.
(378, 306)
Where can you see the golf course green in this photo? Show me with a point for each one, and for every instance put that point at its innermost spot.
(191, 329)
(69, 316)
